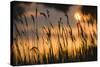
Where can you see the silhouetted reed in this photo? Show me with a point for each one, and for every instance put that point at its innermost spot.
(41, 49)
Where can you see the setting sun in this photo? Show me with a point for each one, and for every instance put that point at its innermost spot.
(77, 16)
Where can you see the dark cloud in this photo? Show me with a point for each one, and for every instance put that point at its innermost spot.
(60, 7)
(18, 9)
(91, 10)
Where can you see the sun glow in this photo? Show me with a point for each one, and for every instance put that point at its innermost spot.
(77, 16)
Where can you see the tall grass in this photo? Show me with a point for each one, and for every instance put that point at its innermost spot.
(53, 43)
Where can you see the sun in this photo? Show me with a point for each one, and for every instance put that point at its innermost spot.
(77, 16)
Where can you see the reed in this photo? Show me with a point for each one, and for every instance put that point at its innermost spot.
(66, 47)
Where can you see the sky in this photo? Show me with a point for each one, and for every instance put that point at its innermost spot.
(56, 11)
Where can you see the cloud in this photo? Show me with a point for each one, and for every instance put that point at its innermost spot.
(59, 7)
(19, 8)
(71, 12)
(91, 10)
